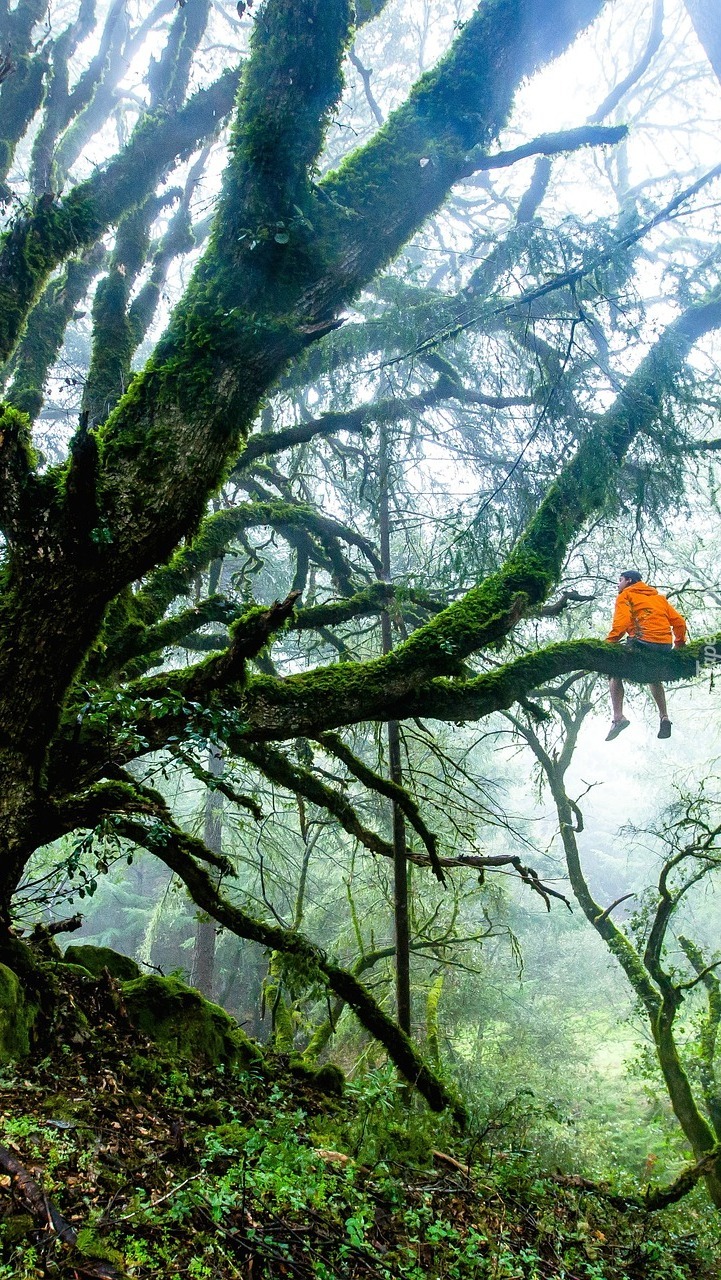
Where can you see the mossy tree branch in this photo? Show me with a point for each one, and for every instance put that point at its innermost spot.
(117, 330)
(248, 636)
(307, 705)
(329, 697)
(132, 650)
(217, 533)
(41, 241)
(134, 647)
(43, 338)
(461, 104)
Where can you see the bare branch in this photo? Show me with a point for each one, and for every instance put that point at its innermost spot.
(548, 144)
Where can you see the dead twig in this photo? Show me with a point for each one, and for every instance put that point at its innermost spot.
(51, 1221)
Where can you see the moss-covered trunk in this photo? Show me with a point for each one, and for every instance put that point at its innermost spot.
(658, 996)
(699, 1133)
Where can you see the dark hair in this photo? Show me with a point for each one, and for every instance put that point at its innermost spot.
(631, 575)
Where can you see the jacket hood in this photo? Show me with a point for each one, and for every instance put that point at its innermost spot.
(641, 588)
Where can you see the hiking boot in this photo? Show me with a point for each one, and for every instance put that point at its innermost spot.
(664, 729)
(618, 726)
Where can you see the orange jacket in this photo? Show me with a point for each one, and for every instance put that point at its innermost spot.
(645, 614)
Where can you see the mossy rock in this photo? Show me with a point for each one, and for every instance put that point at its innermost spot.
(328, 1079)
(95, 959)
(78, 970)
(186, 1025)
(17, 1015)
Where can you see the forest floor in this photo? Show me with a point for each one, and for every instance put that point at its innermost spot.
(121, 1163)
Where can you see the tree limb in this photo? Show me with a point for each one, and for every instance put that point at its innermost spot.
(548, 144)
(334, 744)
(41, 241)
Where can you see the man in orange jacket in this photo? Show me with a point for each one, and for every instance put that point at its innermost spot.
(647, 618)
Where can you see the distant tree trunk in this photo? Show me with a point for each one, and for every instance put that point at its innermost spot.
(400, 858)
(203, 973)
(706, 18)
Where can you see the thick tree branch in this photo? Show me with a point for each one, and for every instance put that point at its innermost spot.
(248, 636)
(134, 648)
(462, 103)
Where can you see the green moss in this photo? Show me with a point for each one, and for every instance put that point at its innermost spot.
(96, 959)
(91, 1246)
(328, 1079)
(78, 971)
(146, 1073)
(34, 246)
(17, 1016)
(186, 1025)
(16, 1226)
(233, 1135)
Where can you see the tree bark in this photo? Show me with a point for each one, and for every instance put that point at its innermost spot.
(706, 18)
(203, 972)
(400, 853)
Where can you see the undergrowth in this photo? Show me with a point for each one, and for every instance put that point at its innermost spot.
(166, 1171)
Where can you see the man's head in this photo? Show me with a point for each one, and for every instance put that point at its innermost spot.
(627, 578)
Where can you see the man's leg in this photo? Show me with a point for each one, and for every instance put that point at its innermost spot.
(658, 694)
(615, 687)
